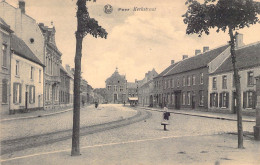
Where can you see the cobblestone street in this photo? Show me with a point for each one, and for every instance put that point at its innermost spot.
(149, 132)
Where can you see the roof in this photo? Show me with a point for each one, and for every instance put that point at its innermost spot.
(20, 48)
(198, 61)
(246, 57)
(166, 70)
(131, 85)
(115, 75)
(5, 26)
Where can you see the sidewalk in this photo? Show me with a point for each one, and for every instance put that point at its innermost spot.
(34, 114)
(206, 149)
(222, 116)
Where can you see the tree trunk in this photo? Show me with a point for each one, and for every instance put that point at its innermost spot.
(76, 111)
(238, 89)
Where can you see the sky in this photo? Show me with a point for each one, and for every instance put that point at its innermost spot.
(137, 41)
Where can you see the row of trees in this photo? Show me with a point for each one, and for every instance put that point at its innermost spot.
(224, 15)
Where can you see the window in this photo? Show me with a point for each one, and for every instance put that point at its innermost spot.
(249, 99)
(165, 84)
(224, 100)
(188, 98)
(4, 49)
(188, 81)
(17, 90)
(201, 78)
(40, 75)
(4, 91)
(250, 78)
(109, 87)
(115, 88)
(121, 89)
(32, 94)
(178, 82)
(172, 83)
(183, 81)
(201, 97)
(193, 80)
(213, 100)
(183, 98)
(224, 82)
(214, 83)
(17, 68)
(169, 83)
(31, 75)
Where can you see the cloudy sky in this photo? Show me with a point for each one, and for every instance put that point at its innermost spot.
(137, 42)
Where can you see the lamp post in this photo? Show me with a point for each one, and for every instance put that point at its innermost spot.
(257, 126)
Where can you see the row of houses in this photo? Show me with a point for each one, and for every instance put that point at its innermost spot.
(205, 81)
(31, 73)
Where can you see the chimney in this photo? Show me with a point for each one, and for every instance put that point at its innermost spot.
(67, 67)
(205, 48)
(239, 40)
(172, 61)
(184, 57)
(22, 6)
(197, 51)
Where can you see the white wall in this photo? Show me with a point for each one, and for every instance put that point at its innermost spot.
(24, 78)
(24, 27)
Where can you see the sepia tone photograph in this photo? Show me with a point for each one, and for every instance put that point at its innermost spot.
(131, 82)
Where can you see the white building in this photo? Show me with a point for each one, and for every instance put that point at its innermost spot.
(26, 78)
(221, 82)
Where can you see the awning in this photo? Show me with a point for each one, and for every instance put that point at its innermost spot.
(133, 98)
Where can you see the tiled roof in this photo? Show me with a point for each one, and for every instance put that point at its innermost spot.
(166, 70)
(131, 85)
(20, 48)
(246, 57)
(197, 61)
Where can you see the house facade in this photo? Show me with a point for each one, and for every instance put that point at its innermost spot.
(26, 78)
(64, 88)
(221, 82)
(116, 88)
(24, 26)
(5, 68)
(52, 59)
(145, 88)
(158, 86)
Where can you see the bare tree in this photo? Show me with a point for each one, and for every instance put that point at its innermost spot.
(85, 25)
(230, 15)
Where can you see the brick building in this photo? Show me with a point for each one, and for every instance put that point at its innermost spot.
(221, 82)
(116, 88)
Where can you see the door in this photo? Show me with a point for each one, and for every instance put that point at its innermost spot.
(115, 98)
(177, 100)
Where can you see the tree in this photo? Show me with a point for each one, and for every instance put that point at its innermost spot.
(230, 15)
(85, 25)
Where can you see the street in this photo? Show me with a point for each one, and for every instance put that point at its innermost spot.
(187, 141)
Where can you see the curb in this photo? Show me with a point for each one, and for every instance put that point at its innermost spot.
(30, 117)
(188, 114)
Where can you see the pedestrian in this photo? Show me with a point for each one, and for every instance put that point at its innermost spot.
(165, 117)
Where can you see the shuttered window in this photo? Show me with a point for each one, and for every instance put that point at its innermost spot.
(32, 94)
(4, 49)
(249, 99)
(4, 91)
(17, 91)
(224, 100)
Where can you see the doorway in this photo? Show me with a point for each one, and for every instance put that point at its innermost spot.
(177, 99)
